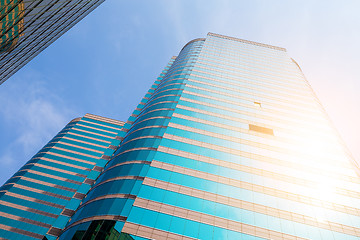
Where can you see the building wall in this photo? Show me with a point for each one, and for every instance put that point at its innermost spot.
(231, 144)
(113, 194)
(28, 27)
(249, 153)
(41, 197)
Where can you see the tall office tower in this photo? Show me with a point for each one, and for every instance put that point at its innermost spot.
(229, 143)
(37, 202)
(28, 27)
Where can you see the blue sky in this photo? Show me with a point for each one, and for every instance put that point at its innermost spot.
(106, 63)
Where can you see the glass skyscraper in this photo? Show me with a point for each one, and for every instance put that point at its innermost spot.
(28, 27)
(230, 142)
(40, 198)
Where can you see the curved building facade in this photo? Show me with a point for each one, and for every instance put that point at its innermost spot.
(114, 193)
(230, 142)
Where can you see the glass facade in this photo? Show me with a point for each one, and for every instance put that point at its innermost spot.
(28, 27)
(230, 142)
(41, 197)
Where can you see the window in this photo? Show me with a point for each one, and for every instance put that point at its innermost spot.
(261, 129)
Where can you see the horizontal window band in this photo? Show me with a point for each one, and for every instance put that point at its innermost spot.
(305, 106)
(282, 105)
(212, 220)
(154, 104)
(28, 209)
(48, 184)
(63, 163)
(256, 188)
(76, 138)
(174, 75)
(239, 140)
(101, 125)
(230, 138)
(103, 119)
(20, 231)
(151, 233)
(231, 55)
(85, 136)
(146, 127)
(51, 176)
(234, 119)
(41, 192)
(98, 129)
(68, 157)
(164, 93)
(135, 149)
(56, 169)
(117, 178)
(310, 184)
(262, 69)
(152, 111)
(25, 220)
(19, 196)
(169, 83)
(246, 41)
(250, 143)
(253, 207)
(74, 152)
(276, 120)
(102, 217)
(163, 96)
(171, 79)
(108, 196)
(92, 133)
(236, 45)
(78, 148)
(146, 119)
(235, 66)
(142, 137)
(222, 89)
(263, 110)
(303, 95)
(240, 167)
(81, 141)
(237, 71)
(227, 127)
(127, 162)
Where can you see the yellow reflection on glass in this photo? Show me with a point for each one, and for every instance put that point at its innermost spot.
(12, 23)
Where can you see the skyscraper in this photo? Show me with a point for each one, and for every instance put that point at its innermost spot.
(229, 143)
(28, 27)
(41, 197)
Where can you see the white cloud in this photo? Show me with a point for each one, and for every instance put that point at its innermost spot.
(30, 115)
